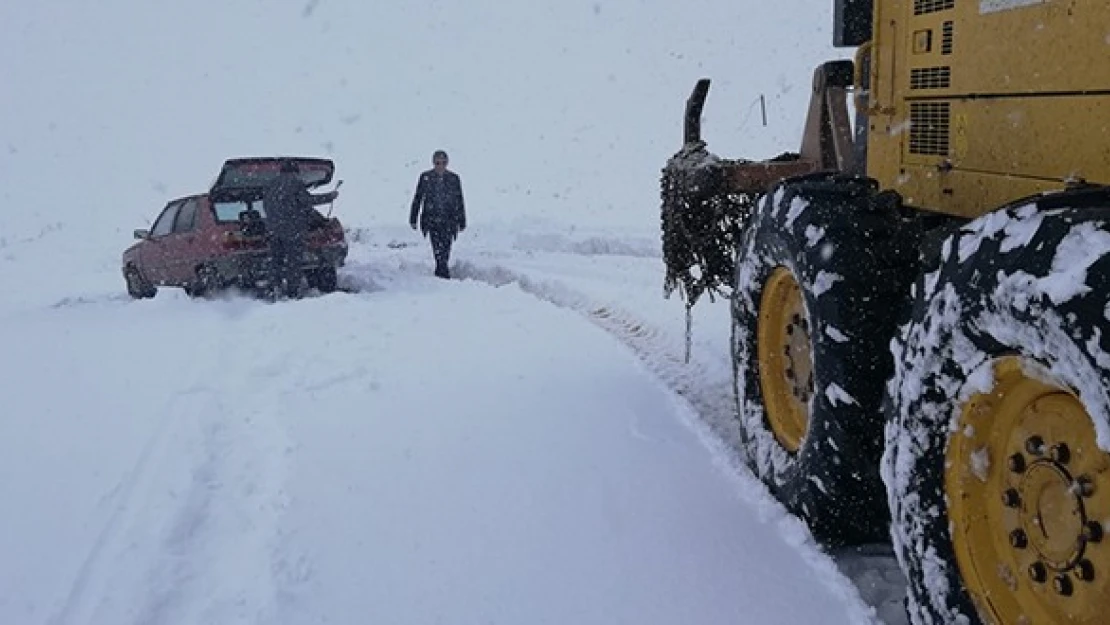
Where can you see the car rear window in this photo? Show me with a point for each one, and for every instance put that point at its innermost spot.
(229, 211)
(256, 176)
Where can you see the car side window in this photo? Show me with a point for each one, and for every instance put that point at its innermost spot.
(229, 211)
(164, 225)
(186, 217)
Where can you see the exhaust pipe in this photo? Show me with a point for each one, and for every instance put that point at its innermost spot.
(691, 126)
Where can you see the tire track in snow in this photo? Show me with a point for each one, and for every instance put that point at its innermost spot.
(223, 560)
(173, 570)
(195, 535)
(708, 389)
(133, 490)
(216, 559)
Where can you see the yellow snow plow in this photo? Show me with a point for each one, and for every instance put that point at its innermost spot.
(920, 300)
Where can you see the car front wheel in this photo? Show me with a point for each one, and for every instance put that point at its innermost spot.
(137, 286)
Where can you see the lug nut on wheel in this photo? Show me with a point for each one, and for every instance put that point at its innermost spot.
(1085, 486)
(1062, 585)
(1016, 463)
(1035, 445)
(1093, 532)
(1011, 498)
(1084, 570)
(1018, 539)
(1060, 453)
(1038, 572)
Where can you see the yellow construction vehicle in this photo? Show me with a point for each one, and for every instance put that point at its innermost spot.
(921, 300)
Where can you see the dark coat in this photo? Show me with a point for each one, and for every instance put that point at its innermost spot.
(442, 200)
(289, 207)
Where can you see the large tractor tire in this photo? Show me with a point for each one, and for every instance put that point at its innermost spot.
(999, 420)
(821, 273)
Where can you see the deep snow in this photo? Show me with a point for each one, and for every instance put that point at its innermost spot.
(363, 466)
(370, 470)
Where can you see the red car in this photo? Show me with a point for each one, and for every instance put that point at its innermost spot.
(211, 241)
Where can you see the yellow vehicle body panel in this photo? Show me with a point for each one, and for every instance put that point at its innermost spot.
(975, 103)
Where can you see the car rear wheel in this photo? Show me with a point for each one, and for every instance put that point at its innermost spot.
(137, 286)
(323, 279)
(207, 281)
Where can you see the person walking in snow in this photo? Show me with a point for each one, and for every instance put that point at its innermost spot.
(438, 202)
(289, 209)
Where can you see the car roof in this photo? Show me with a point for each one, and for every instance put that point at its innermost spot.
(187, 197)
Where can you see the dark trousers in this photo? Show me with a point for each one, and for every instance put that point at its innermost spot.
(441, 250)
(286, 258)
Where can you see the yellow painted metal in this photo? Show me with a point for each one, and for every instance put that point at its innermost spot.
(1024, 480)
(926, 187)
(1026, 88)
(887, 113)
(785, 356)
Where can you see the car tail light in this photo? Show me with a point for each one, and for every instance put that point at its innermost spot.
(238, 241)
(335, 230)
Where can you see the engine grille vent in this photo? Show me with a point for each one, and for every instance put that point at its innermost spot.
(931, 77)
(929, 128)
(922, 7)
(947, 30)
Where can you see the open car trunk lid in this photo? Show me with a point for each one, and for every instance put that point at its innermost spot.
(248, 176)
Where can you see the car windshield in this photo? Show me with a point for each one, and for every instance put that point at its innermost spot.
(229, 211)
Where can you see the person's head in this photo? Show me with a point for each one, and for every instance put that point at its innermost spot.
(439, 160)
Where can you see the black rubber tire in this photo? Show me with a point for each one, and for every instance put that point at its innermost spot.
(983, 302)
(137, 286)
(854, 258)
(206, 284)
(324, 279)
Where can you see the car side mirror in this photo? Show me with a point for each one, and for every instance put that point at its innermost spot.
(142, 234)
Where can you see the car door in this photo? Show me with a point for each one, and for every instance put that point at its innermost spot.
(154, 254)
(181, 248)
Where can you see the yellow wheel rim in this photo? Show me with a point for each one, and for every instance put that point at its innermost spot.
(785, 356)
(1028, 493)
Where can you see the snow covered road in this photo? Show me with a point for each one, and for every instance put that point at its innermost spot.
(424, 452)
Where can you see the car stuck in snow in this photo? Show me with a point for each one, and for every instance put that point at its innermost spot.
(215, 240)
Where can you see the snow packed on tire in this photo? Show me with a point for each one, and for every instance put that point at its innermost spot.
(1018, 280)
